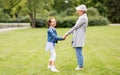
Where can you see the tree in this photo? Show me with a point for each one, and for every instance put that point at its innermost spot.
(8, 5)
(113, 8)
(62, 5)
(26, 7)
(31, 7)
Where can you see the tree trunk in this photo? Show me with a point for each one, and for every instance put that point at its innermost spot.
(32, 20)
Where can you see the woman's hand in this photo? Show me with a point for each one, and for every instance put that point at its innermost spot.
(64, 36)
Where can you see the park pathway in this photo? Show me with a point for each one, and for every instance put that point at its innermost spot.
(6, 29)
(114, 24)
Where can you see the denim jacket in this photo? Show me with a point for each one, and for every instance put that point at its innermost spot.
(52, 35)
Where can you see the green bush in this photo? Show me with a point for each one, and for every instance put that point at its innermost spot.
(25, 20)
(69, 21)
(66, 22)
(95, 19)
(98, 21)
(8, 21)
(93, 12)
(52, 13)
(70, 11)
(40, 23)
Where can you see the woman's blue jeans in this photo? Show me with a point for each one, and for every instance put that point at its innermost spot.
(79, 56)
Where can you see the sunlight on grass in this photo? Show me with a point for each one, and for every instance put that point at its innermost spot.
(22, 52)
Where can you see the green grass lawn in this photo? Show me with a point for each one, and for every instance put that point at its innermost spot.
(22, 52)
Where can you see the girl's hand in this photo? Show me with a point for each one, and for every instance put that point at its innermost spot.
(64, 36)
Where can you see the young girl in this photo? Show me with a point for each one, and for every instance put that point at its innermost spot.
(52, 38)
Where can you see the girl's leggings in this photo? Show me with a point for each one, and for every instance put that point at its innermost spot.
(52, 55)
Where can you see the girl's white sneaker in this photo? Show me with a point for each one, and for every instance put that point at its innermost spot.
(54, 70)
(49, 67)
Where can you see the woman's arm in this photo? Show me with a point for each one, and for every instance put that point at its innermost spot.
(78, 24)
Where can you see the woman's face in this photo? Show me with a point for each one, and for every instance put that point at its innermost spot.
(53, 22)
(80, 12)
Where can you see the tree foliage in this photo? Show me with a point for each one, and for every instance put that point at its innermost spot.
(8, 6)
(32, 8)
(26, 7)
(113, 8)
(62, 5)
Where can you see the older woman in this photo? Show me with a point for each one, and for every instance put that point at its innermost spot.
(79, 34)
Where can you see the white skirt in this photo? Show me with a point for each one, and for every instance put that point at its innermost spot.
(50, 46)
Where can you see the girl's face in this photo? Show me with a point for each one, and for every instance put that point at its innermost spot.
(80, 12)
(53, 22)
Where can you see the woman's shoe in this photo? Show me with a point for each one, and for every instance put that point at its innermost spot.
(78, 68)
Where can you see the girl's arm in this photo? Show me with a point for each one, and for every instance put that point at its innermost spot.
(55, 36)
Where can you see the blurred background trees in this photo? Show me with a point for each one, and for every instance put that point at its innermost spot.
(21, 8)
(113, 10)
(38, 11)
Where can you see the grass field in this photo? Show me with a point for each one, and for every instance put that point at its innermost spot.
(22, 52)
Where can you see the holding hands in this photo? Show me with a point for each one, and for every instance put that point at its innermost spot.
(64, 37)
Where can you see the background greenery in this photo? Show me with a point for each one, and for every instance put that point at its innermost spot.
(22, 52)
(37, 11)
